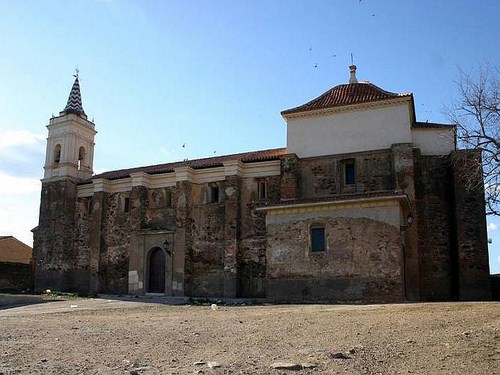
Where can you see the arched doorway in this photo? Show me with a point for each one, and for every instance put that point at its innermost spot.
(156, 271)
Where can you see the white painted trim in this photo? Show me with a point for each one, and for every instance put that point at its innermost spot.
(285, 209)
(184, 173)
(86, 190)
(262, 169)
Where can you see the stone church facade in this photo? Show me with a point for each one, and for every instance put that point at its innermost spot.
(365, 204)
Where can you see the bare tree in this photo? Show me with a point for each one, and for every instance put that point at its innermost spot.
(476, 116)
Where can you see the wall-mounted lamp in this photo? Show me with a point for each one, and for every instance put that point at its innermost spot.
(409, 219)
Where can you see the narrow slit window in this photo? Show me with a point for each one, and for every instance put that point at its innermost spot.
(168, 199)
(262, 190)
(126, 204)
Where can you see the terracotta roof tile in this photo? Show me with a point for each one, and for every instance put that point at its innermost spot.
(431, 125)
(246, 157)
(344, 95)
(14, 251)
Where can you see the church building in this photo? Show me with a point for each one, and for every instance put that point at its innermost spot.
(364, 204)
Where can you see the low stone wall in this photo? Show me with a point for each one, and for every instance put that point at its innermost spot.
(16, 277)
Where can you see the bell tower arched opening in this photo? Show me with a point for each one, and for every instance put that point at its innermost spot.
(81, 158)
(57, 153)
(70, 144)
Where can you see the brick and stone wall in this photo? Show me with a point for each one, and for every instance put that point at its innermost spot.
(236, 247)
(56, 257)
(436, 239)
(470, 222)
(362, 262)
(252, 249)
(324, 176)
(16, 277)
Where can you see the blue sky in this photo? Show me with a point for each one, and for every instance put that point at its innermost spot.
(213, 75)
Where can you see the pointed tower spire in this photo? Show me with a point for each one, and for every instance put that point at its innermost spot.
(352, 78)
(74, 104)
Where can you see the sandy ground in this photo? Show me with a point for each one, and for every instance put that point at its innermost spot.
(110, 336)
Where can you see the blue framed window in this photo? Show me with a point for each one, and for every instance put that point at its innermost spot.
(318, 238)
(349, 173)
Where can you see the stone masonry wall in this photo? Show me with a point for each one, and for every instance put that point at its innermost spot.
(115, 245)
(362, 261)
(473, 263)
(321, 177)
(16, 277)
(403, 174)
(56, 257)
(205, 259)
(252, 249)
(436, 242)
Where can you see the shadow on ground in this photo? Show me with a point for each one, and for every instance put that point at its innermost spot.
(8, 301)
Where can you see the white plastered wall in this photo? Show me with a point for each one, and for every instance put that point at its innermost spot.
(435, 141)
(349, 131)
(71, 132)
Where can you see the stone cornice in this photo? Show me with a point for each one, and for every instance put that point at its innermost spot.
(358, 202)
(184, 173)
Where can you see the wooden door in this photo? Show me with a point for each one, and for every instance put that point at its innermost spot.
(157, 271)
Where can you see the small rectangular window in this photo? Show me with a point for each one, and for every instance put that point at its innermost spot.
(262, 190)
(318, 239)
(168, 198)
(349, 173)
(126, 204)
(214, 194)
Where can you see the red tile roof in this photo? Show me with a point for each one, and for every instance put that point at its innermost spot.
(14, 251)
(431, 125)
(344, 95)
(246, 157)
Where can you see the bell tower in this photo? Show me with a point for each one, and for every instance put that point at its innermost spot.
(70, 143)
(68, 160)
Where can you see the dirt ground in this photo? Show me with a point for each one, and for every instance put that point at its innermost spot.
(110, 336)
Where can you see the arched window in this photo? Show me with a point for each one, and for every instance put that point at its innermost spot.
(81, 157)
(57, 153)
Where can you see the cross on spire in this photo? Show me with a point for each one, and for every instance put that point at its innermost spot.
(74, 104)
